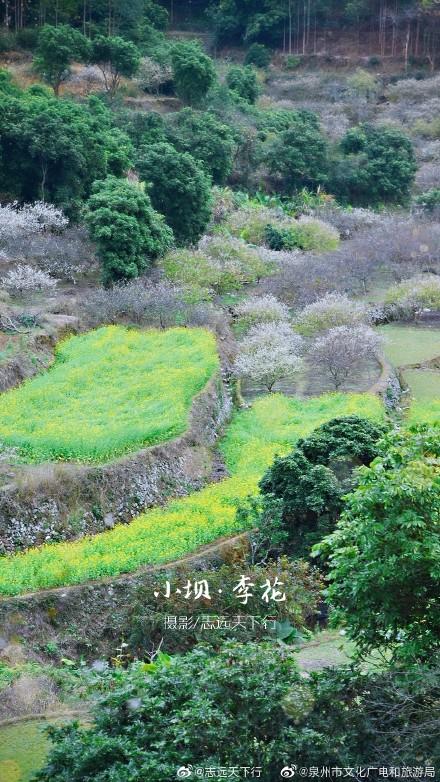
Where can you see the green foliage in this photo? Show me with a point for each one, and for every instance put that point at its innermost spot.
(311, 481)
(193, 72)
(178, 188)
(96, 401)
(160, 535)
(54, 150)
(57, 48)
(242, 80)
(384, 556)
(379, 168)
(305, 234)
(128, 232)
(259, 55)
(208, 140)
(298, 155)
(430, 200)
(225, 706)
(115, 57)
(221, 266)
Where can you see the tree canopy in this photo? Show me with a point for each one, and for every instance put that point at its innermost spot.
(179, 189)
(128, 232)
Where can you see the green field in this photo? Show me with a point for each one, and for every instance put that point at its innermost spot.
(108, 392)
(23, 750)
(424, 385)
(161, 535)
(410, 344)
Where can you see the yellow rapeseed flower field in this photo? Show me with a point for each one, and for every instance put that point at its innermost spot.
(109, 391)
(270, 426)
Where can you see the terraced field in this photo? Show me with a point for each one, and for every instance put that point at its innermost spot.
(108, 392)
(412, 345)
(255, 435)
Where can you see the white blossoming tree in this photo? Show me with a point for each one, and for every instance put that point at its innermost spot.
(26, 279)
(260, 309)
(270, 352)
(338, 352)
(333, 310)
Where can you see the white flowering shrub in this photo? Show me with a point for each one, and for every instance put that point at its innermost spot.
(417, 293)
(261, 309)
(151, 76)
(270, 352)
(24, 279)
(341, 350)
(30, 219)
(334, 309)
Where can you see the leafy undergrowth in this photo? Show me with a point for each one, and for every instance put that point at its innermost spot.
(164, 534)
(108, 392)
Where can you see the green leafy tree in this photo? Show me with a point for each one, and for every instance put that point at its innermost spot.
(243, 81)
(115, 57)
(225, 706)
(178, 188)
(208, 140)
(311, 481)
(54, 150)
(384, 556)
(259, 55)
(379, 166)
(299, 155)
(193, 72)
(57, 48)
(128, 232)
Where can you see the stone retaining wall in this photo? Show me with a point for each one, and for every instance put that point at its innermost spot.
(56, 501)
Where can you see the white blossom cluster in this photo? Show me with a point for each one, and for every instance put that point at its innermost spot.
(25, 278)
(268, 353)
(30, 219)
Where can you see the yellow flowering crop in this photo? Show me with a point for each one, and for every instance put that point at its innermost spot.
(270, 426)
(109, 391)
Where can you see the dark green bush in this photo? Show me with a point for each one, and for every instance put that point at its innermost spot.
(259, 55)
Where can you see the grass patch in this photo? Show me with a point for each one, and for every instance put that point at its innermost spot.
(23, 750)
(424, 386)
(409, 344)
(108, 392)
(271, 426)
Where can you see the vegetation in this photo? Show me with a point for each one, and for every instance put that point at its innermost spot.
(303, 491)
(149, 378)
(56, 50)
(128, 232)
(178, 189)
(384, 576)
(193, 72)
(243, 81)
(379, 168)
(115, 58)
(271, 426)
(298, 155)
(279, 207)
(54, 150)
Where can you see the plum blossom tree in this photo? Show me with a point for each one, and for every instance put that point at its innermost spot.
(260, 309)
(25, 279)
(341, 349)
(334, 309)
(270, 352)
